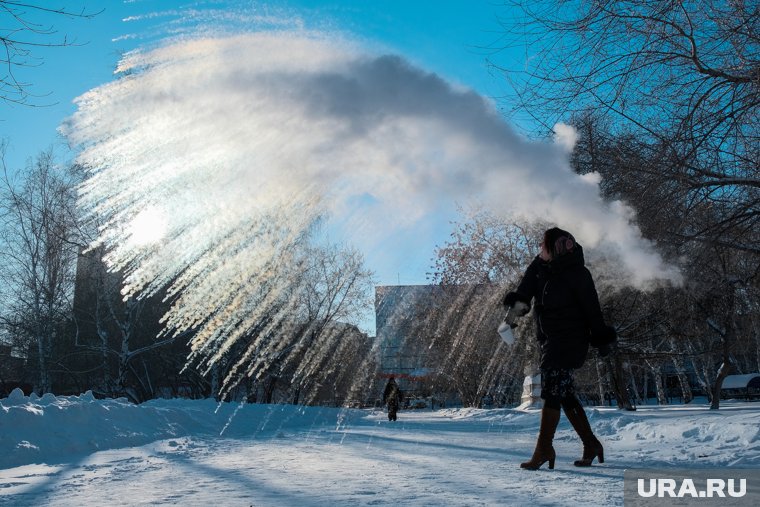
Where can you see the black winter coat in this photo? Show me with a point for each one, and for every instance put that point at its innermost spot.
(566, 309)
(392, 394)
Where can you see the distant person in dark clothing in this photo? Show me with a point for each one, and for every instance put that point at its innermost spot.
(392, 397)
(568, 320)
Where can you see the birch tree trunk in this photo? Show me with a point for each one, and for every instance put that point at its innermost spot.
(656, 370)
(683, 379)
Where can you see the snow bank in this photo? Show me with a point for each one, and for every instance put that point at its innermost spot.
(658, 436)
(51, 429)
(686, 436)
(54, 429)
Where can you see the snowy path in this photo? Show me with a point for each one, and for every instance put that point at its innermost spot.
(423, 459)
(78, 451)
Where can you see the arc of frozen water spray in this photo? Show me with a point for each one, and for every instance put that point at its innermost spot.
(239, 144)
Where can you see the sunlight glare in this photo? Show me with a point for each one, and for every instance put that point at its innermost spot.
(148, 227)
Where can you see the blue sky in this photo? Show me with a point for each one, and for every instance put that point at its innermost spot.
(447, 37)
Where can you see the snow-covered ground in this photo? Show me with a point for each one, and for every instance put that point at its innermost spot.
(81, 451)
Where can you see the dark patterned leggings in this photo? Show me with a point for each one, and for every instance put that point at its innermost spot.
(557, 388)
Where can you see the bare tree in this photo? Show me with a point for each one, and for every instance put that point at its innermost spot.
(682, 76)
(28, 26)
(669, 325)
(39, 257)
(117, 331)
(485, 249)
(305, 327)
(336, 289)
(460, 333)
(724, 302)
(483, 257)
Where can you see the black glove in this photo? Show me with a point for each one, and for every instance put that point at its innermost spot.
(512, 297)
(514, 312)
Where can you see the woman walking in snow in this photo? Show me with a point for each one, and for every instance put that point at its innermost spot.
(568, 319)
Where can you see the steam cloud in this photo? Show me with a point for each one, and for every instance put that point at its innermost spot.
(234, 145)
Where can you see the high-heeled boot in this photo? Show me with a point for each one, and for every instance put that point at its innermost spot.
(544, 450)
(592, 447)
